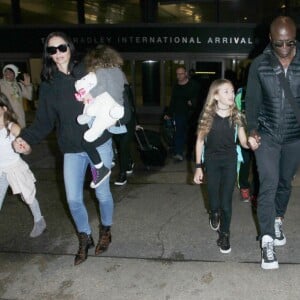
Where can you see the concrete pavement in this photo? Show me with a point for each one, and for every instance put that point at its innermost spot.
(162, 246)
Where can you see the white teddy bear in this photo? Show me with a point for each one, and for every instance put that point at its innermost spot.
(103, 109)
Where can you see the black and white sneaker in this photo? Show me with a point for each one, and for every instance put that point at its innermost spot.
(268, 257)
(130, 168)
(122, 179)
(223, 242)
(280, 238)
(99, 175)
(214, 220)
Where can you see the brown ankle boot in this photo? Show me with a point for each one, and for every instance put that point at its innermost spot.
(85, 242)
(104, 240)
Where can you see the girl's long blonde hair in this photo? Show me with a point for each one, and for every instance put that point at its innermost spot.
(210, 107)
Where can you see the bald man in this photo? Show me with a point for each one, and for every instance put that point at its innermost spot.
(182, 109)
(272, 121)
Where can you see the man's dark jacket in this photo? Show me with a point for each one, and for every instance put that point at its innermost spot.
(267, 109)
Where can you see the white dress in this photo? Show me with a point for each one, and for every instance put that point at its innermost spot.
(15, 170)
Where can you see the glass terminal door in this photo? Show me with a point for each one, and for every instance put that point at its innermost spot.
(152, 79)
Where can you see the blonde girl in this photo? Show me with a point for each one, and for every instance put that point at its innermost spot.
(14, 171)
(219, 124)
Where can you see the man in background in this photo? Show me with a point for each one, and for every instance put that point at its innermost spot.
(183, 104)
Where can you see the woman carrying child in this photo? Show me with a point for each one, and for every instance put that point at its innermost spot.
(58, 110)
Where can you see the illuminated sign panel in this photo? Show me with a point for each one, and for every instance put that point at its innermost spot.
(200, 39)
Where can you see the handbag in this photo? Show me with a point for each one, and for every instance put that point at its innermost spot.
(285, 86)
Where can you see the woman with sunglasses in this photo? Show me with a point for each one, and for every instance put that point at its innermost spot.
(59, 109)
(272, 121)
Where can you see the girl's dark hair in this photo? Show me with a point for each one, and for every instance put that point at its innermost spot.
(9, 115)
(49, 66)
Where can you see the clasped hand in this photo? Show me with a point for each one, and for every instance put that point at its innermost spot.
(254, 140)
(21, 146)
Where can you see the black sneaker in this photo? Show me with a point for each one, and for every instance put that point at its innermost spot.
(214, 221)
(130, 168)
(280, 238)
(268, 257)
(99, 175)
(223, 242)
(122, 179)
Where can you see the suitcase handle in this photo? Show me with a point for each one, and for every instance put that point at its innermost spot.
(145, 137)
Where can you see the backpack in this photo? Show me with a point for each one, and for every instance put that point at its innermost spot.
(240, 99)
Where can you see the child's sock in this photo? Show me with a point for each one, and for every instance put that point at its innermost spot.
(38, 228)
(39, 221)
(35, 210)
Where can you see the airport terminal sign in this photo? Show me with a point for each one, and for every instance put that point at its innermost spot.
(148, 38)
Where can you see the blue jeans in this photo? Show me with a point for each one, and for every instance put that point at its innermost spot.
(180, 134)
(277, 165)
(75, 165)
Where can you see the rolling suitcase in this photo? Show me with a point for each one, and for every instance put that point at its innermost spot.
(168, 133)
(150, 147)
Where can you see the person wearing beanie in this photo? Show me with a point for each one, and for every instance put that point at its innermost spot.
(16, 91)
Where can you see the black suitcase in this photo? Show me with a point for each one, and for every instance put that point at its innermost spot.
(168, 132)
(152, 151)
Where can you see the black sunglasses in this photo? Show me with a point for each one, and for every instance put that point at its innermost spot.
(52, 49)
(279, 44)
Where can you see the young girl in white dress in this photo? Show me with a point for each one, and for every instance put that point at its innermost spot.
(14, 171)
